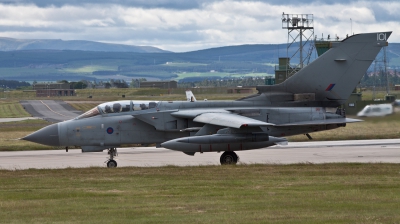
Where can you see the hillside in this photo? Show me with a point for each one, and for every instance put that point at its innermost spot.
(10, 44)
(74, 65)
(52, 65)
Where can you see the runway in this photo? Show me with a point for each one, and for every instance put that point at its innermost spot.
(3, 120)
(50, 110)
(360, 151)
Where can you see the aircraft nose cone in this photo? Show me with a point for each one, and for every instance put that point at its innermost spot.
(46, 136)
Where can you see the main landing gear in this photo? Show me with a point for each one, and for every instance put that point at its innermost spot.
(229, 158)
(111, 162)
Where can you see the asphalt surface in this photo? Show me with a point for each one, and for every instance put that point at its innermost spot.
(2, 120)
(50, 110)
(360, 151)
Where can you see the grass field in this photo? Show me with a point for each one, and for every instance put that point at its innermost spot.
(379, 94)
(90, 69)
(220, 74)
(259, 75)
(74, 67)
(184, 64)
(83, 106)
(12, 109)
(371, 128)
(10, 132)
(183, 75)
(302, 193)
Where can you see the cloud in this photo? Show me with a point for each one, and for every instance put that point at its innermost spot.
(181, 25)
(170, 4)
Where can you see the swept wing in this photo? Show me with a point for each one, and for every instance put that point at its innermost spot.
(226, 118)
(229, 120)
(320, 122)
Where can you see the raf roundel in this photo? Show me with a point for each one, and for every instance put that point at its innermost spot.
(110, 130)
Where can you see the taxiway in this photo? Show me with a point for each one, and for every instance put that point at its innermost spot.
(50, 110)
(359, 151)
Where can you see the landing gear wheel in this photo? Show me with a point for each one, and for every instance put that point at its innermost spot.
(111, 164)
(229, 158)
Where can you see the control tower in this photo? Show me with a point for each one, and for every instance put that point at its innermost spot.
(300, 34)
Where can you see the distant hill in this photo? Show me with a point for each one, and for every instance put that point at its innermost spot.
(28, 64)
(10, 44)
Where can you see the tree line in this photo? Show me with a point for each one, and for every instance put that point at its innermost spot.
(13, 84)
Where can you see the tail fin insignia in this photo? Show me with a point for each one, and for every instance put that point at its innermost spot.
(330, 87)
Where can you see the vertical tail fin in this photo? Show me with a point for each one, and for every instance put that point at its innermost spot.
(190, 96)
(335, 74)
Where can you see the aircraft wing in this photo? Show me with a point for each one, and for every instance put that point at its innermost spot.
(229, 120)
(225, 118)
(321, 122)
(196, 112)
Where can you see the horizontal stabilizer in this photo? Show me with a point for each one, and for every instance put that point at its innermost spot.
(321, 122)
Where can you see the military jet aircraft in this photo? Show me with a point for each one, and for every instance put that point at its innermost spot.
(300, 105)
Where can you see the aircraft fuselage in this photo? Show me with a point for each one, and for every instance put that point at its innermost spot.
(158, 125)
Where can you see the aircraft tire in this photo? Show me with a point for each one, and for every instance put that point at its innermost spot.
(228, 158)
(111, 163)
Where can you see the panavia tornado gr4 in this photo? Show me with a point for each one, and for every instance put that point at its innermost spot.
(299, 105)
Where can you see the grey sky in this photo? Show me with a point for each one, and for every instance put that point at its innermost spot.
(182, 25)
(171, 4)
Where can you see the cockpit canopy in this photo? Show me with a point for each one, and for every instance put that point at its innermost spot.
(119, 107)
(115, 107)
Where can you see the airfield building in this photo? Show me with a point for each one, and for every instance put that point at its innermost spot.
(53, 89)
(159, 84)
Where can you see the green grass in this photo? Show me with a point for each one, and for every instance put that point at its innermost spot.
(371, 128)
(200, 74)
(220, 74)
(255, 74)
(6, 72)
(380, 93)
(184, 64)
(17, 95)
(110, 63)
(209, 74)
(90, 69)
(270, 64)
(10, 132)
(82, 106)
(82, 69)
(328, 193)
(77, 67)
(12, 109)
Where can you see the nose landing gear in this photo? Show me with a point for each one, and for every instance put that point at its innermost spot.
(111, 163)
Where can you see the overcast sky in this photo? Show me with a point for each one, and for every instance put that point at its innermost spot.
(186, 25)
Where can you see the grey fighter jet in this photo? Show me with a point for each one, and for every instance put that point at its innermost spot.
(300, 105)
